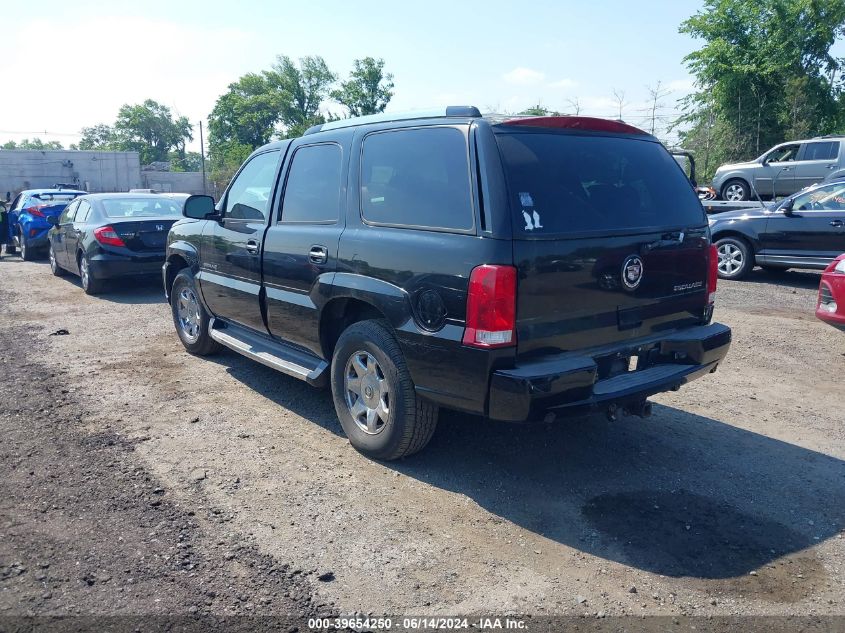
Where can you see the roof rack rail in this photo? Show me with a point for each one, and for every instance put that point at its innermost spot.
(387, 117)
(830, 136)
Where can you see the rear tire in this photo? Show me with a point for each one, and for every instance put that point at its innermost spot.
(27, 252)
(57, 270)
(90, 284)
(736, 190)
(189, 316)
(374, 395)
(736, 257)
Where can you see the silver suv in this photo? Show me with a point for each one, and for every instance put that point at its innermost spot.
(782, 170)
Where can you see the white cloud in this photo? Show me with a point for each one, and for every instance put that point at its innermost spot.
(563, 83)
(523, 76)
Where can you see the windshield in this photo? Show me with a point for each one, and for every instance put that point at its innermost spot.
(141, 207)
(563, 183)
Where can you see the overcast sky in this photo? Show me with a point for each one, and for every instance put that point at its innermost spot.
(65, 65)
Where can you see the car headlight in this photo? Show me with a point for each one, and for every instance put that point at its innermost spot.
(840, 267)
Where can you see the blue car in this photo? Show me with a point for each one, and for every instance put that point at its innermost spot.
(27, 221)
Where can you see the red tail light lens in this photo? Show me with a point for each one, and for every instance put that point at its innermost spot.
(108, 236)
(36, 211)
(712, 274)
(491, 307)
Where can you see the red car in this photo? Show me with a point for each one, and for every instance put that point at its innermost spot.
(831, 306)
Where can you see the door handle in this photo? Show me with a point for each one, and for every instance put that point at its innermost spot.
(787, 169)
(318, 254)
(831, 166)
(837, 223)
(252, 246)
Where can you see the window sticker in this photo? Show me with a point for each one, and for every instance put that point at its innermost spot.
(532, 221)
(525, 199)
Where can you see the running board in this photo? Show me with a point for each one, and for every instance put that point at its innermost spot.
(279, 356)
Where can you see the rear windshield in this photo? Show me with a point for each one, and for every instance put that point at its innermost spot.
(564, 183)
(141, 207)
(50, 199)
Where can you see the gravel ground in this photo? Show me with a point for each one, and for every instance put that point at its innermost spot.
(136, 478)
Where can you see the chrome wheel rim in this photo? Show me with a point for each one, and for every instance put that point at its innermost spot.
(84, 273)
(731, 259)
(188, 314)
(367, 393)
(734, 192)
(54, 266)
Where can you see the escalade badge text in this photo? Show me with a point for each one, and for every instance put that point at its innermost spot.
(632, 272)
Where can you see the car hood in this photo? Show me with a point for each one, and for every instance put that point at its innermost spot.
(733, 166)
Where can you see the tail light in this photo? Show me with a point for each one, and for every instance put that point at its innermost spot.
(491, 307)
(712, 274)
(36, 211)
(108, 236)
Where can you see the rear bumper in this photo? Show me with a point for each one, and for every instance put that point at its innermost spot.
(572, 383)
(109, 266)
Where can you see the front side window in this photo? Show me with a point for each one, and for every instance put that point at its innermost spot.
(69, 212)
(312, 192)
(249, 195)
(821, 151)
(82, 212)
(417, 178)
(783, 154)
(828, 198)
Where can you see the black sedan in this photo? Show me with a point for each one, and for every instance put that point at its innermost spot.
(110, 235)
(805, 230)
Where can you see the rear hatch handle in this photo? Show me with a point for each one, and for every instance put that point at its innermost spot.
(667, 239)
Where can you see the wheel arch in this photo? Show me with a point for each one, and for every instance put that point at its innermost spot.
(341, 312)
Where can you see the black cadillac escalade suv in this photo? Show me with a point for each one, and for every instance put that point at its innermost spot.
(518, 269)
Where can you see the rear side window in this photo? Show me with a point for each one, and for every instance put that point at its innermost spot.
(563, 183)
(312, 192)
(417, 178)
(821, 151)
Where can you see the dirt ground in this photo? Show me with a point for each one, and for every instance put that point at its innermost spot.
(137, 479)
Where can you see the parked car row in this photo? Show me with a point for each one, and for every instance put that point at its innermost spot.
(519, 269)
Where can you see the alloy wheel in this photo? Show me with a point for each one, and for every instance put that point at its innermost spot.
(731, 259)
(84, 272)
(735, 193)
(188, 314)
(367, 393)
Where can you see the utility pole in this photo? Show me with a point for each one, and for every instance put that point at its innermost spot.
(202, 160)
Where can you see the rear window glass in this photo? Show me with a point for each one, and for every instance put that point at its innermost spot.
(49, 199)
(561, 183)
(821, 151)
(140, 207)
(417, 178)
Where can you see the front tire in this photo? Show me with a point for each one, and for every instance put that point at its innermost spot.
(736, 191)
(90, 284)
(374, 395)
(189, 316)
(57, 270)
(736, 257)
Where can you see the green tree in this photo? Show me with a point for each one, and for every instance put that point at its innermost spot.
(191, 161)
(151, 130)
(302, 89)
(98, 137)
(35, 143)
(764, 74)
(247, 113)
(368, 89)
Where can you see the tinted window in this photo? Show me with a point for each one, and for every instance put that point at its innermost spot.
(69, 212)
(417, 178)
(140, 207)
(783, 154)
(82, 212)
(312, 192)
(828, 198)
(561, 183)
(821, 151)
(249, 195)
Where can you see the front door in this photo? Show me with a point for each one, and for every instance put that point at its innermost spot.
(776, 176)
(60, 235)
(73, 231)
(814, 230)
(816, 161)
(230, 275)
(300, 249)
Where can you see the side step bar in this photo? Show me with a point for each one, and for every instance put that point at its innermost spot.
(284, 358)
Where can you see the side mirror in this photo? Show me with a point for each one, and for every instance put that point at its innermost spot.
(53, 220)
(787, 207)
(198, 207)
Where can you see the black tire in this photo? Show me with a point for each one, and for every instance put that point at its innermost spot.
(410, 420)
(183, 291)
(57, 270)
(28, 253)
(774, 270)
(736, 257)
(736, 190)
(90, 284)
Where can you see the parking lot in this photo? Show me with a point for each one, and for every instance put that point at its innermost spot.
(729, 499)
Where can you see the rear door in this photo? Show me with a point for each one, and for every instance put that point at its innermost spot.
(610, 241)
(815, 162)
(300, 247)
(230, 274)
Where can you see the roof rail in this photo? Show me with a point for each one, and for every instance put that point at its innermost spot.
(386, 117)
(830, 136)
